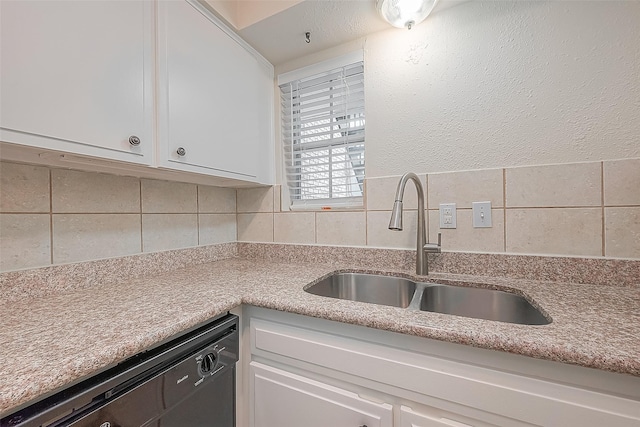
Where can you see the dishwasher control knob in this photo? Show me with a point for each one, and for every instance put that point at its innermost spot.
(208, 363)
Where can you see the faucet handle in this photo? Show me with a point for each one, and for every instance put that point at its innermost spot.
(434, 247)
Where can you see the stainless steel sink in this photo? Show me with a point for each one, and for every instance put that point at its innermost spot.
(464, 301)
(481, 304)
(375, 289)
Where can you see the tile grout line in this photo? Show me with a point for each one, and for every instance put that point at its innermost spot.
(235, 191)
(140, 210)
(273, 211)
(513, 208)
(51, 215)
(604, 247)
(273, 215)
(366, 226)
(366, 213)
(198, 213)
(504, 210)
(101, 213)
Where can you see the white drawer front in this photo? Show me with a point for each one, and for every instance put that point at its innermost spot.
(284, 399)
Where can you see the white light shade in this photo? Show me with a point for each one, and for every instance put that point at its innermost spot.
(405, 13)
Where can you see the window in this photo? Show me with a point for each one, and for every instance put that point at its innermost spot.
(323, 127)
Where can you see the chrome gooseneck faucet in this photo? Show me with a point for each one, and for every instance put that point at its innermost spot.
(422, 247)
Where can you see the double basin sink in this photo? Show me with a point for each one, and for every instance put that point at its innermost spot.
(480, 303)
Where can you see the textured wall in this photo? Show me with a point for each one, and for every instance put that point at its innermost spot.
(501, 84)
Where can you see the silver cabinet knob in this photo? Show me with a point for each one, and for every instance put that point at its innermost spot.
(134, 140)
(181, 151)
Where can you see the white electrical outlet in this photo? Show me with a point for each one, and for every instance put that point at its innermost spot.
(447, 215)
(481, 214)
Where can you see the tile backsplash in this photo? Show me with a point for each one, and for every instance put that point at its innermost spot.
(54, 216)
(579, 209)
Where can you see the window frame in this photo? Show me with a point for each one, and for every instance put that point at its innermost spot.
(357, 172)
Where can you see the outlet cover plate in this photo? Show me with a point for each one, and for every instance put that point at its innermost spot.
(448, 215)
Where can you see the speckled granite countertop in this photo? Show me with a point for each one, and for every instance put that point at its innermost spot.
(48, 342)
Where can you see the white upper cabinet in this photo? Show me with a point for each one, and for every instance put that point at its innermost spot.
(97, 78)
(215, 97)
(77, 76)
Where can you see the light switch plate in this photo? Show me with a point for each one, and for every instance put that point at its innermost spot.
(481, 214)
(447, 215)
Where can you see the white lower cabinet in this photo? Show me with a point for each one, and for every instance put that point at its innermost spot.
(283, 399)
(312, 372)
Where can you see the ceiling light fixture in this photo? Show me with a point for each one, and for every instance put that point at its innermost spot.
(405, 13)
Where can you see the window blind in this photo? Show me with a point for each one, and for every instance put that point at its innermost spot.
(323, 127)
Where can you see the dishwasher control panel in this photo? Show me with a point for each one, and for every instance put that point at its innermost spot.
(200, 368)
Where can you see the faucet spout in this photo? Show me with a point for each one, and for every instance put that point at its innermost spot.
(395, 223)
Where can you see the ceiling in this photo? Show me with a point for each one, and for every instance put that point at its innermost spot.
(280, 37)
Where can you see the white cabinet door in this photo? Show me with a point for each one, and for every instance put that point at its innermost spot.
(215, 97)
(283, 399)
(76, 76)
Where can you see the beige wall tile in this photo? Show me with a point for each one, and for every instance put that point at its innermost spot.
(622, 232)
(81, 237)
(379, 235)
(255, 227)
(23, 188)
(216, 199)
(25, 241)
(168, 197)
(217, 228)
(255, 200)
(341, 228)
(577, 184)
(161, 232)
(465, 187)
(622, 182)
(467, 238)
(572, 231)
(381, 193)
(88, 192)
(294, 227)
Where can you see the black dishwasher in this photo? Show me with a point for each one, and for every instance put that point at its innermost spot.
(186, 382)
